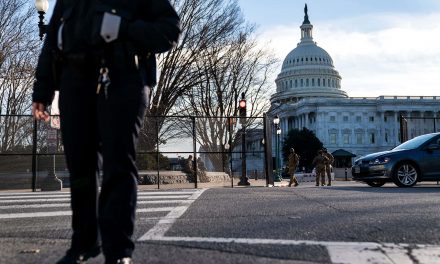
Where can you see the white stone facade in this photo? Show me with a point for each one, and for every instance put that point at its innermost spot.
(309, 95)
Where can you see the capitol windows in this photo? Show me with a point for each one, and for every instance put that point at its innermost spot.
(371, 118)
(386, 137)
(323, 82)
(319, 82)
(332, 138)
(313, 82)
(345, 118)
(296, 83)
(328, 83)
(359, 139)
(372, 138)
(346, 138)
(307, 82)
(358, 119)
(302, 82)
(333, 83)
(332, 118)
(290, 86)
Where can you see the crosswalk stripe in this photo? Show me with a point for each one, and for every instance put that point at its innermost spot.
(166, 193)
(68, 195)
(162, 202)
(68, 199)
(54, 205)
(69, 213)
(35, 196)
(35, 200)
(29, 193)
(140, 192)
(29, 206)
(166, 222)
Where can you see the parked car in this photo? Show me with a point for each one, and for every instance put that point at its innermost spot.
(413, 161)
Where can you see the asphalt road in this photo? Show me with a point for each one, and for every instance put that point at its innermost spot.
(345, 223)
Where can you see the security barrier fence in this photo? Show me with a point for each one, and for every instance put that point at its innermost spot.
(172, 152)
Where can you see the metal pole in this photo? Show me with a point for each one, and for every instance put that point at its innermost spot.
(194, 151)
(243, 179)
(401, 128)
(230, 151)
(157, 154)
(277, 161)
(266, 171)
(34, 156)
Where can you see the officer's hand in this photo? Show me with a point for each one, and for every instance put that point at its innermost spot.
(39, 112)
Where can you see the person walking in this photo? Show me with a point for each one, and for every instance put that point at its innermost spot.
(100, 55)
(319, 163)
(292, 163)
(328, 166)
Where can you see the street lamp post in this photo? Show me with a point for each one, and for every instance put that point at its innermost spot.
(277, 176)
(41, 6)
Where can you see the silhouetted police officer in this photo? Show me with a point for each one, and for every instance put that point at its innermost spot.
(100, 55)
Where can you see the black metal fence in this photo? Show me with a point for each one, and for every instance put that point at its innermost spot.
(411, 126)
(224, 152)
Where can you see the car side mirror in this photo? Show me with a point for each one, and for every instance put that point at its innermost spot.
(433, 147)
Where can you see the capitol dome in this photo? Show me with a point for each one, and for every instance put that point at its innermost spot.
(307, 71)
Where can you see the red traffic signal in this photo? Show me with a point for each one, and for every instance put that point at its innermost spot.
(242, 104)
(242, 110)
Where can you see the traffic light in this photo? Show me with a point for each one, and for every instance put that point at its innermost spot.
(242, 110)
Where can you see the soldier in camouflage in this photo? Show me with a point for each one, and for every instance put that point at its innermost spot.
(328, 166)
(319, 162)
(292, 163)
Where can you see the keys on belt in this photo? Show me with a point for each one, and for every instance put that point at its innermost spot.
(103, 81)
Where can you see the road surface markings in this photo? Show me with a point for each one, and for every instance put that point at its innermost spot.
(15, 201)
(166, 222)
(44, 200)
(339, 252)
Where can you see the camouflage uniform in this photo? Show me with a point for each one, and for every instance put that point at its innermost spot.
(319, 163)
(292, 163)
(328, 166)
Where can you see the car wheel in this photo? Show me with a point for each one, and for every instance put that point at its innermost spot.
(375, 183)
(406, 174)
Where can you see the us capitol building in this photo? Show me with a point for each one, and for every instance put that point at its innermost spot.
(309, 94)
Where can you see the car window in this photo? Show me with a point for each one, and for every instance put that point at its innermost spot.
(415, 142)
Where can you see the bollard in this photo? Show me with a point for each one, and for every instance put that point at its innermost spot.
(346, 178)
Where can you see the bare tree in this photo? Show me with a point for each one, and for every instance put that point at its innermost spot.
(18, 54)
(238, 66)
(216, 60)
(205, 24)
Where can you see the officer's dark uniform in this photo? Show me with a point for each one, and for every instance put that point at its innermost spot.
(105, 121)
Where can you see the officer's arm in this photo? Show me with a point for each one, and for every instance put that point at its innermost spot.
(44, 85)
(161, 34)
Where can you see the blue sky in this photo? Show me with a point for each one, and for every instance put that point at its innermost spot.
(380, 47)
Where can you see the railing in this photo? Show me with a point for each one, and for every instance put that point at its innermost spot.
(31, 149)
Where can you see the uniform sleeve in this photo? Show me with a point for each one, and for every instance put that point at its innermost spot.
(44, 85)
(161, 33)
